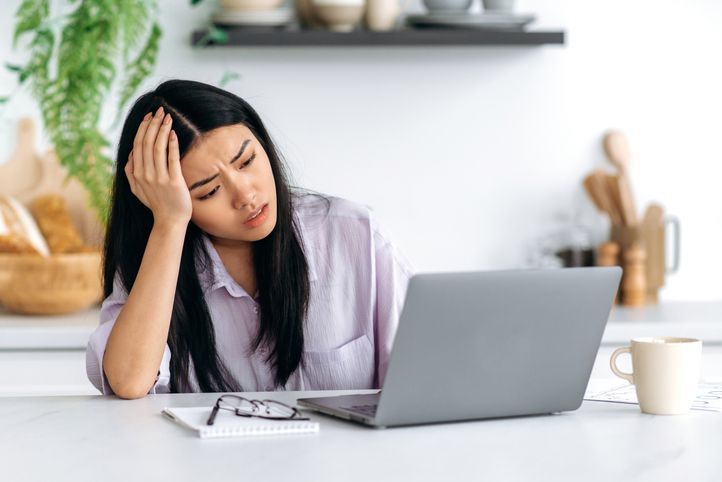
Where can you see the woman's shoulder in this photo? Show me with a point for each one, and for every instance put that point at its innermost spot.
(310, 206)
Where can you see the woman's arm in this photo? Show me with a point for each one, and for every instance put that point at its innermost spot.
(136, 343)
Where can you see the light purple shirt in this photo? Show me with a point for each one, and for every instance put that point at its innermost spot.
(358, 283)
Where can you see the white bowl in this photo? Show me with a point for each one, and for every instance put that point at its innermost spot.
(339, 15)
(339, 2)
(447, 5)
(250, 5)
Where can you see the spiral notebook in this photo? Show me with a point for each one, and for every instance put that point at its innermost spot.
(227, 424)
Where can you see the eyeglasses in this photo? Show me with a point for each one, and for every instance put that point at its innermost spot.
(243, 407)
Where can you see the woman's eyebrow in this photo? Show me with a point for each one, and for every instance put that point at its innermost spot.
(209, 179)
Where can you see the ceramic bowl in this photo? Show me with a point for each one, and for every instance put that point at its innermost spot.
(339, 15)
(250, 5)
(437, 6)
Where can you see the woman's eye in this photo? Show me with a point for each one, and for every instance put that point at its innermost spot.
(250, 160)
(210, 193)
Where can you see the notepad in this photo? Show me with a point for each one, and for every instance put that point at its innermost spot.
(227, 424)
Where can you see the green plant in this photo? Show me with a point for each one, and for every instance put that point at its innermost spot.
(75, 61)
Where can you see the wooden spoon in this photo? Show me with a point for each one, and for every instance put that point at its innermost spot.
(596, 186)
(617, 149)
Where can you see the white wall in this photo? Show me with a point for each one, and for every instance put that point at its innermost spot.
(468, 155)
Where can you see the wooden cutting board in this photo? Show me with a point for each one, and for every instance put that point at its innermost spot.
(27, 175)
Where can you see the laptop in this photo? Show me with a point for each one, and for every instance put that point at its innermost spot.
(491, 344)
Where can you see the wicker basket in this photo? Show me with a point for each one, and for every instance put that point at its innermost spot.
(62, 283)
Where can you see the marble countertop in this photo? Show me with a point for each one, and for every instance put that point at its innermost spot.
(698, 319)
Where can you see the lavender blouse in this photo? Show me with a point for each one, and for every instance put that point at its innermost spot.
(358, 284)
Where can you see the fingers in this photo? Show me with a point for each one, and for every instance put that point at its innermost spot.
(129, 173)
(160, 149)
(174, 169)
(138, 166)
(149, 143)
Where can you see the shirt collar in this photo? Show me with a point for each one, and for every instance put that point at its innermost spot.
(216, 276)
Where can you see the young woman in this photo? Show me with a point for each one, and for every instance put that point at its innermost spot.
(220, 277)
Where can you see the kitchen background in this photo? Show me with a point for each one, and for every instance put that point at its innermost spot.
(471, 155)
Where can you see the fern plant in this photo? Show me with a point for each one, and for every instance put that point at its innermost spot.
(79, 58)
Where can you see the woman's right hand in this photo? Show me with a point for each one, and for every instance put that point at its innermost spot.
(154, 171)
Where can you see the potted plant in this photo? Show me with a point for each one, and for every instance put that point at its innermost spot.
(82, 53)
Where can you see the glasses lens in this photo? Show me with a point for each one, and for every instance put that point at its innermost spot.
(277, 409)
(236, 403)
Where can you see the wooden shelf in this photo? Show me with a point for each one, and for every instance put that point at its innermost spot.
(240, 37)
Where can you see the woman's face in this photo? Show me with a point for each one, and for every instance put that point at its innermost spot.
(231, 184)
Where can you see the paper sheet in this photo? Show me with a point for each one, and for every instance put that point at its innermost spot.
(709, 395)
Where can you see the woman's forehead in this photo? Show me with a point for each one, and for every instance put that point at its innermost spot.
(217, 143)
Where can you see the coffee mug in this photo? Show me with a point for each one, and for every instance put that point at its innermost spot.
(665, 372)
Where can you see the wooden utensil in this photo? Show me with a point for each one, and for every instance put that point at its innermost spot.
(654, 238)
(28, 175)
(617, 149)
(21, 171)
(590, 185)
(596, 186)
(612, 185)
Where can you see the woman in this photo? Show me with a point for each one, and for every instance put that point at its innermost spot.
(219, 277)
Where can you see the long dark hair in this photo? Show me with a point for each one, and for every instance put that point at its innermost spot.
(279, 261)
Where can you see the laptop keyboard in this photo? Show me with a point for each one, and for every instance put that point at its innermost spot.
(368, 410)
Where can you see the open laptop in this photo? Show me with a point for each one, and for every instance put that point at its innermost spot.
(488, 344)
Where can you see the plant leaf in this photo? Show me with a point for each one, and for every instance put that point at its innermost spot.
(30, 15)
(228, 76)
(140, 67)
(92, 44)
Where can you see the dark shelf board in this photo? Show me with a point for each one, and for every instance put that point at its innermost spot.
(240, 37)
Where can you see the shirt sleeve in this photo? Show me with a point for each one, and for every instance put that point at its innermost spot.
(393, 272)
(109, 311)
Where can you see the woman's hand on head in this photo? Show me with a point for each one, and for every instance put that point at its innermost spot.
(154, 171)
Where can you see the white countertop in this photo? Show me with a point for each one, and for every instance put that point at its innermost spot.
(62, 332)
(94, 438)
(698, 319)
(694, 319)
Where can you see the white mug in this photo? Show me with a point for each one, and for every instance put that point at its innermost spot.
(665, 374)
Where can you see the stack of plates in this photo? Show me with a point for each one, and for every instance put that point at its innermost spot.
(278, 17)
(493, 21)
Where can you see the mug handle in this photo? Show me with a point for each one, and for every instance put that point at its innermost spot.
(674, 221)
(613, 364)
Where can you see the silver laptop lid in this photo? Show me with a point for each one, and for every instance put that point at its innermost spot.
(494, 344)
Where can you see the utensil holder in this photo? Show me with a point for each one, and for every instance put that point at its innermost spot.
(653, 240)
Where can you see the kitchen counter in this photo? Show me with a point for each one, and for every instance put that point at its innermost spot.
(694, 319)
(62, 332)
(45, 355)
(698, 319)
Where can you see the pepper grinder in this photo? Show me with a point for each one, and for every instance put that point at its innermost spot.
(608, 255)
(634, 281)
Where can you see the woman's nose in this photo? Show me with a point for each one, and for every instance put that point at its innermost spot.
(241, 189)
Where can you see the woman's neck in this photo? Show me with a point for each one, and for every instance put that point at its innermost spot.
(237, 258)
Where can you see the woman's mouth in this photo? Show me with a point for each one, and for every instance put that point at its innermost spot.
(257, 218)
